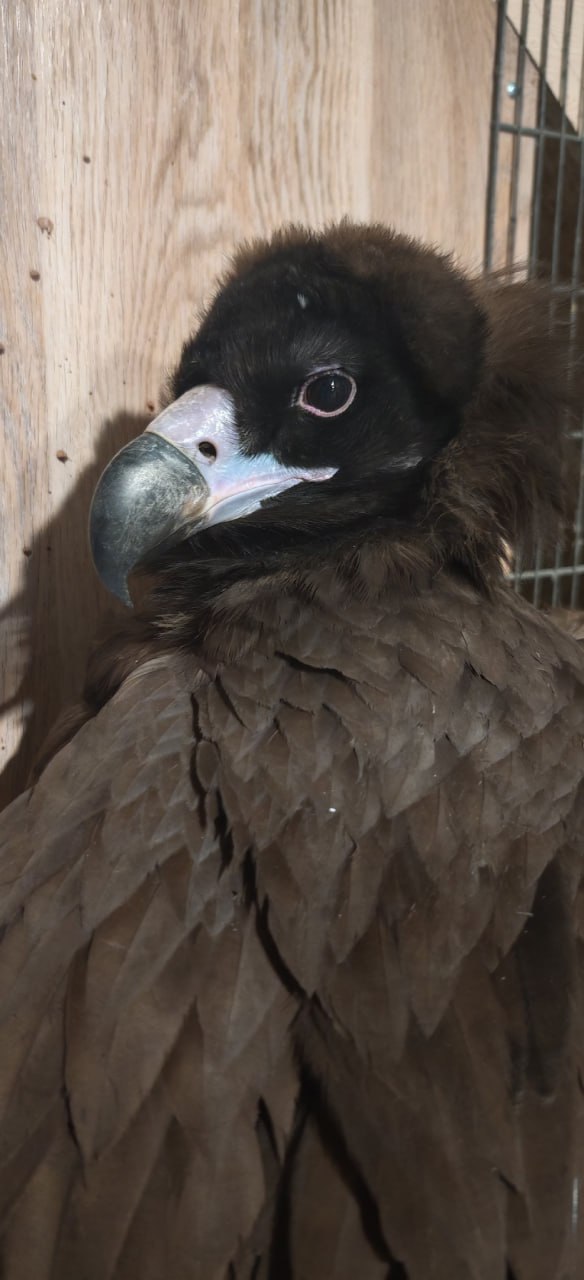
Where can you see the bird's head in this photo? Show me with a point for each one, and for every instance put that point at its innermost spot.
(350, 402)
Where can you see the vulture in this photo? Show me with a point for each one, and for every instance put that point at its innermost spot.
(292, 914)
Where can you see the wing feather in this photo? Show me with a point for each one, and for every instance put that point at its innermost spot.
(141, 1016)
(351, 864)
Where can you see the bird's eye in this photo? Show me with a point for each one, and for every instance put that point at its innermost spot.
(327, 394)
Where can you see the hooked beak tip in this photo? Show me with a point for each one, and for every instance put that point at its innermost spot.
(145, 495)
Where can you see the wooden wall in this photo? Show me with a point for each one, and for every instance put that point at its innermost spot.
(139, 142)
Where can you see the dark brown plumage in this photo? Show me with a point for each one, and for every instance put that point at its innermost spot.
(291, 970)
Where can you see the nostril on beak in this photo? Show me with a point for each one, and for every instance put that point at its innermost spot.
(208, 450)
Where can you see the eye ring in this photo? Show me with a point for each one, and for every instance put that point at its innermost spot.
(319, 374)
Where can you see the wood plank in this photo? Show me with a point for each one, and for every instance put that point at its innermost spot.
(140, 142)
(431, 118)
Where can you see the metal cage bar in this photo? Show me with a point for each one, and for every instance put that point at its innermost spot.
(536, 187)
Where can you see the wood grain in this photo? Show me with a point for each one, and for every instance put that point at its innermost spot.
(139, 143)
(433, 67)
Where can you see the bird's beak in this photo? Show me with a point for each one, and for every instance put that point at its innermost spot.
(185, 472)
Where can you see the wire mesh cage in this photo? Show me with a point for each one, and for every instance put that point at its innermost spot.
(535, 212)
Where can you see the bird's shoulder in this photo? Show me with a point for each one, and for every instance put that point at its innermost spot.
(427, 752)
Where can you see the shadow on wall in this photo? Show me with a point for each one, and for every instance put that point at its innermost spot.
(70, 621)
(559, 253)
(562, 175)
